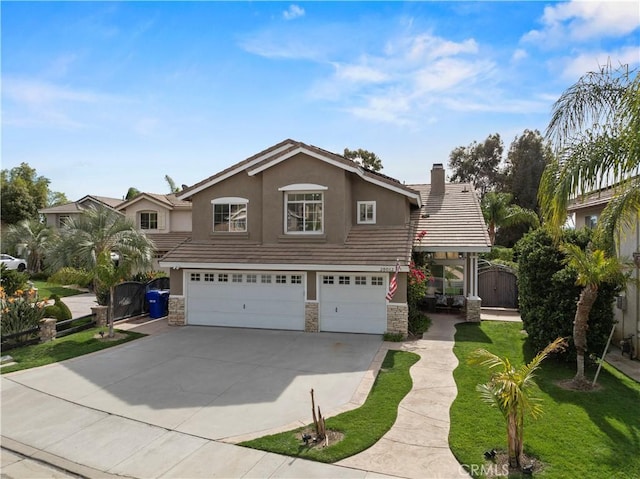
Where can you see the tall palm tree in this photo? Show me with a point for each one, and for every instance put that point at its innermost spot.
(593, 269)
(594, 132)
(498, 211)
(509, 390)
(35, 237)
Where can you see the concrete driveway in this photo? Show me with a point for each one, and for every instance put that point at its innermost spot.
(214, 383)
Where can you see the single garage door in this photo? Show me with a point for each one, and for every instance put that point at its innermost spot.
(270, 300)
(353, 303)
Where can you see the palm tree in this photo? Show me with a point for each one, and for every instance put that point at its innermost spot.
(593, 269)
(509, 390)
(35, 237)
(498, 211)
(594, 131)
(89, 241)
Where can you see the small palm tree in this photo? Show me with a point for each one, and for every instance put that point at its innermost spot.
(593, 269)
(36, 238)
(498, 211)
(509, 390)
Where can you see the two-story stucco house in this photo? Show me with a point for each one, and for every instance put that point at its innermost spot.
(299, 238)
(586, 212)
(57, 216)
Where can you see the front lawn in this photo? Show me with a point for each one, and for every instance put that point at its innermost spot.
(63, 348)
(362, 427)
(581, 434)
(45, 290)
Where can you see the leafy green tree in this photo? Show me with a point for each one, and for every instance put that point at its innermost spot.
(97, 233)
(498, 211)
(479, 164)
(594, 132)
(56, 198)
(367, 159)
(36, 238)
(510, 391)
(132, 193)
(23, 192)
(592, 269)
(527, 157)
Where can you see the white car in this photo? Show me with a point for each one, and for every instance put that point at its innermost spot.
(13, 263)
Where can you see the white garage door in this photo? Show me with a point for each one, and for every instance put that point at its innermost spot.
(353, 303)
(271, 300)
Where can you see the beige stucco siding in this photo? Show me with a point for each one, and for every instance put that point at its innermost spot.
(176, 280)
(629, 319)
(181, 220)
(391, 208)
(144, 205)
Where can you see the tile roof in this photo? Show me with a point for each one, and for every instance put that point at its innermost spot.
(167, 241)
(600, 197)
(453, 221)
(76, 206)
(170, 200)
(364, 246)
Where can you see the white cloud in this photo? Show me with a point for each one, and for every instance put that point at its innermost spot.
(294, 11)
(519, 54)
(585, 20)
(359, 73)
(578, 65)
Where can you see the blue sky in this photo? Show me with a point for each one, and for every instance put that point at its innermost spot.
(99, 97)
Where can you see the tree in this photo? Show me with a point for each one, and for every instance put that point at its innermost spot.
(172, 184)
(526, 159)
(36, 238)
(498, 211)
(132, 192)
(56, 198)
(367, 159)
(593, 268)
(23, 193)
(85, 241)
(594, 132)
(479, 164)
(509, 390)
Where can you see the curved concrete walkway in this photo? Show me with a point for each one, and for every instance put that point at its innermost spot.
(417, 446)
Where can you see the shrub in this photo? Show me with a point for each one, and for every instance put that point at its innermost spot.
(147, 276)
(69, 275)
(57, 310)
(12, 280)
(548, 294)
(20, 312)
(417, 283)
(499, 252)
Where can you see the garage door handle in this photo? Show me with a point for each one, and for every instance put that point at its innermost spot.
(244, 306)
(336, 310)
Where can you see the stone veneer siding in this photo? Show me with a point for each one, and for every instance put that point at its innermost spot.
(398, 318)
(176, 311)
(47, 329)
(473, 308)
(311, 317)
(100, 313)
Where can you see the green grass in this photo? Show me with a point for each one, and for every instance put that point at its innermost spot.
(45, 290)
(581, 434)
(63, 348)
(362, 427)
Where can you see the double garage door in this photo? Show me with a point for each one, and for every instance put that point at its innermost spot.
(352, 303)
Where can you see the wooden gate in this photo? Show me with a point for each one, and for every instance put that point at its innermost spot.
(498, 288)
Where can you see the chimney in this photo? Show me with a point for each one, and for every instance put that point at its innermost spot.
(437, 179)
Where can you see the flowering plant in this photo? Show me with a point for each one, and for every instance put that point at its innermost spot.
(20, 312)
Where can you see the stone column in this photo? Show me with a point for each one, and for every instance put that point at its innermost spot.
(398, 319)
(177, 315)
(473, 308)
(100, 313)
(311, 317)
(47, 329)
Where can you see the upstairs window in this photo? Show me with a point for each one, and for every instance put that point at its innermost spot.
(230, 215)
(304, 212)
(590, 221)
(148, 220)
(366, 212)
(63, 220)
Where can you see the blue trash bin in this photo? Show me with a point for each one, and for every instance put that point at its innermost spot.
(153, 296)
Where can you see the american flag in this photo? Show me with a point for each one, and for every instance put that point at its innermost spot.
(393, 284)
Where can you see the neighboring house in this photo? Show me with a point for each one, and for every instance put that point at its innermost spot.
(586, 212)
(298, 238)
(163, 218)
(56, 216)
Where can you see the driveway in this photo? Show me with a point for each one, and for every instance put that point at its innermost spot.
(214, 383)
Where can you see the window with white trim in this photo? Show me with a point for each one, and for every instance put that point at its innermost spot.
(148, 220)
(265, 278)
(366, 212)
(303, 212)
(344, 280)
(236, 278)
(209, 277)
(223, 278)
(230, 215)
(591, 221)
(63, 220)
(281, 279)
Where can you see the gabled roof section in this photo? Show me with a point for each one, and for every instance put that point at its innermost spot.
(77, 206)
(169, 201)
(453, 220)
(288, 149)
(597, 198)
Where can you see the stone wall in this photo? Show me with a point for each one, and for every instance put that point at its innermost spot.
(311, 317)
(177, 315)
(47, 329)
(100, 313)
(474, 304)
(398, 318)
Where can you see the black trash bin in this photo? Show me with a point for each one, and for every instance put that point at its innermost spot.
(164, 301)
(157, 305)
